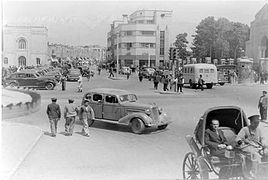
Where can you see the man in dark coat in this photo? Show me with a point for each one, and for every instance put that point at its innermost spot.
(262, 105)
(215, 139)
(54, 114)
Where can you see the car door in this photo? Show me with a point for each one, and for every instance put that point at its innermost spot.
(97, 105)
(31, 80)
(22, 79)
(111, 108)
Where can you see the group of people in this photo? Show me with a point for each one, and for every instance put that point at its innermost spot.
(85, 114)
(249, 139)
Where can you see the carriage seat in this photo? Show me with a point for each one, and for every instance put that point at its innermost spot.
(229, 134)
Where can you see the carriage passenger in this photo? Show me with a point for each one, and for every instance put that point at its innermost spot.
(215, 139)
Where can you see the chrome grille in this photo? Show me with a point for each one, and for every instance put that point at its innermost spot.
(155, 114)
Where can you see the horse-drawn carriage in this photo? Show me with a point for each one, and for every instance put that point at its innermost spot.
(200, 164)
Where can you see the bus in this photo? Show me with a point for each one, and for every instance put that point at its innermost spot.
(192, 72)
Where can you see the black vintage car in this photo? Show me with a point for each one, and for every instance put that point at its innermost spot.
(29, 79)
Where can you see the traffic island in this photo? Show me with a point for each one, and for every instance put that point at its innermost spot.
(118, 78)
(19, 102)
(18, 140)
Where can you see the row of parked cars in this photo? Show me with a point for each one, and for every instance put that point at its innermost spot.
(41, 78)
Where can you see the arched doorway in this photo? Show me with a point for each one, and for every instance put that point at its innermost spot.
(264, 47)
(22, 61)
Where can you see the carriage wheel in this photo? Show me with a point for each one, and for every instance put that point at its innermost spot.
(191, 169)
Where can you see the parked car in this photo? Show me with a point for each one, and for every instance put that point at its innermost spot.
(43, 72)
(147, 72)
(125, 70)
(73, 74)
(29, 79)
(122, 107)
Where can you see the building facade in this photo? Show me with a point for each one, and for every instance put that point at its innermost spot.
(143, 38)
(25, 46)
(257, 46)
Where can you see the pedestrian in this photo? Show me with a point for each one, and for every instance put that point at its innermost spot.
(70, 112)
(80, 83)
(63, 83)
(128, 73)
(156, 80)
(54, 115)
(180, 83)
(140, 76)
(111, 72)
(200, 83)
(88, 74)
(262, 105)
(165, 83)
(99, 69)
(86, 115)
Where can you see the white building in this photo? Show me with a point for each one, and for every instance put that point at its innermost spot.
(25, 46)
(143, 38)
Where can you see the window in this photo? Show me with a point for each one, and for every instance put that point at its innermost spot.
(211, 70)
(21, 75)
(38, 62)
(30, 76)
(148, 33)
(111, 99)
(129, 33)
(5, 60)
(22, 44)
(129, 45)
(97, 97)
(206, 70)
(191, 70)
(162, 42)
(201, 70)
(22, 61)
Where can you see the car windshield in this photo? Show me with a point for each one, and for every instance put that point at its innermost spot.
(128, 97)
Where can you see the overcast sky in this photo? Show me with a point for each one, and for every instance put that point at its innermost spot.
(88, 22)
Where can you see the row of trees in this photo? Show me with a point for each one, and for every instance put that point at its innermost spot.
(215, 38)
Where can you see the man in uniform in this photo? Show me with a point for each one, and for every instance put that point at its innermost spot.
(250, 140)
(263, 102)
(86, 115)
(54, 114)
(70, 112)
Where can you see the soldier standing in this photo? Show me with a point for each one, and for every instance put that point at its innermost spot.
(86, 114)
(63, 83)
(54, 114)
(70, 112)
(263, 102)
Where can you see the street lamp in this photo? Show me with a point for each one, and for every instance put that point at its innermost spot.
(117, 54)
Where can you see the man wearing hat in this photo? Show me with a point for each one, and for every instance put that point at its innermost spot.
(86, 115)
(54, 114)
(70, 112)
(250, 140)
(263, 103)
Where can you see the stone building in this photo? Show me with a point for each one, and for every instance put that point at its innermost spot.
(25, 46)
(143, 38)
(257, 46)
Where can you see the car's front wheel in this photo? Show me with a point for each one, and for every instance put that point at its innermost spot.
(137, 126)
(49, 86)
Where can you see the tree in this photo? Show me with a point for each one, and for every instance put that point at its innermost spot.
(181, 44)
(219, 38)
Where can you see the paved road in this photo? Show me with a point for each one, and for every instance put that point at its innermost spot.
(113, 152)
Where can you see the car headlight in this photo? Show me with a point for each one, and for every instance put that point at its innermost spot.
(148, 111)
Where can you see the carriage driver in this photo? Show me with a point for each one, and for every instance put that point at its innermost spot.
(250, 140)
(215, 139)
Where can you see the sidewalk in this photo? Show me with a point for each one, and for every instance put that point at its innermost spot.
(17, 142)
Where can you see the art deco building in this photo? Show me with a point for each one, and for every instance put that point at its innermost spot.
(257, 46)
(25, 45)
(142, 38)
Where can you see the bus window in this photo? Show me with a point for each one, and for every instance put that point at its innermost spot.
(200, 70)
(211, 70)
(206, 70)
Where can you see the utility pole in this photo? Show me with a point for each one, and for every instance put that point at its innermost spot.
(117, 54)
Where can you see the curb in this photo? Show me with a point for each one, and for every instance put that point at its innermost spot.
(29, 149)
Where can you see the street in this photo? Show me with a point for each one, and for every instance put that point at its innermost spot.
(113, 151)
